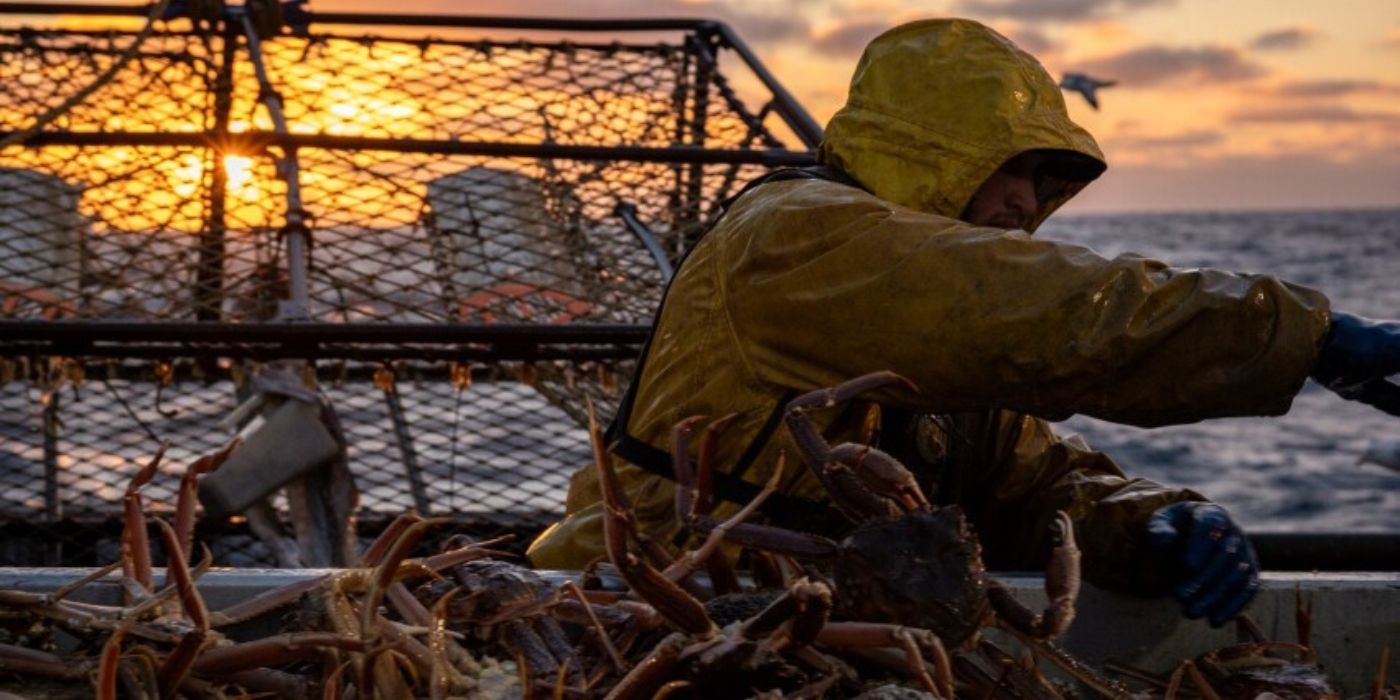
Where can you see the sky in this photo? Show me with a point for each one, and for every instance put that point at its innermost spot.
(1221, 104)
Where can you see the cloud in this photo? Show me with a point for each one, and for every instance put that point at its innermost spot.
(1185, 140)
(1292, 181)
(1392, 40)
(758, 28)
(1052, 10)
(1286, 39)
(1157, 65)
(1032, 40)
(1319, 114)
(1334, 88)
(848, 39)
(754, 26)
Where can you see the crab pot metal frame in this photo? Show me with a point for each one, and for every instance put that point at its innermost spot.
(456, 227)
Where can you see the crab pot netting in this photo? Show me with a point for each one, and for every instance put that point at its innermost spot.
(143, 231)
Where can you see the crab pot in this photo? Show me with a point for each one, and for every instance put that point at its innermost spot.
(469, 286)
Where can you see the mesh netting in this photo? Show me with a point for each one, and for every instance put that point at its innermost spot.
(163, 197)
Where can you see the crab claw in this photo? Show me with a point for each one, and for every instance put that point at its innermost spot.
(1061, 587)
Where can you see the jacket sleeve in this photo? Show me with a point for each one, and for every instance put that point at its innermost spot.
(824, 282)
(1014, 473)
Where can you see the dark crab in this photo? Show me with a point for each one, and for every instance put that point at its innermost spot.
(1260, 668)
(506, 605)
(905, 560)
(772, 646)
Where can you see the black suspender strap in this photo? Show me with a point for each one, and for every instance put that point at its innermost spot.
(782, 510)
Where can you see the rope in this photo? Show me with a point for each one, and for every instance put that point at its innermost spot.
(19, 137)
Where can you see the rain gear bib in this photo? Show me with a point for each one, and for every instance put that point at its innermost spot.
(806, 283)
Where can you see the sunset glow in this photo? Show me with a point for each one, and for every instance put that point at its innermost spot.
(1246, 104)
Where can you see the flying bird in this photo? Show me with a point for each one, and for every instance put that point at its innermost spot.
(1085, 86)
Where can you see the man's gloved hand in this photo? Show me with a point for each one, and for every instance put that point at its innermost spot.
(1357, 357)
(1215, 571)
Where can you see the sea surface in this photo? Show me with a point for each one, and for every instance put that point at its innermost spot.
(1297, 472)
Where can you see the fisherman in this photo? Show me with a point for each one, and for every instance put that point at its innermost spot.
(910, 249)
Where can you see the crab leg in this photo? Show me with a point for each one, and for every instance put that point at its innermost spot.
(1204, 686)
(70, 588)
(386, 570)
(1302, 618)
(914, 642)
(817, 690)
(273, 683)
(648, 675)
(418, 654)
(383, 671)
(680, 608)
(1378, 685)
(695, 500)
(1081, 671)
(570, 588)
(108, 665)
(849, 491)
(805, 607)
(411, 610)
(1024, 678)
(471, 552)
(189, 484)
(177, 665)
(1174, 683)
(1061, 587)
(882, 474)
(686, 564)
(265, 602)
(26, 661)
(280, 649)
(388, 537)
(439, 677)
(980, 683)
(687, 494)
(136, 545)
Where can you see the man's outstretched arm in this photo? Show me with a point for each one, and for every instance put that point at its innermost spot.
(1136, 535)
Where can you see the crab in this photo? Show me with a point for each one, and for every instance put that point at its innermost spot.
(1260, 667)
(772, 649)
(905, 560)
(508, 605)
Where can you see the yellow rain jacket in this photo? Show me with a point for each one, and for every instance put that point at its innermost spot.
(807, 283)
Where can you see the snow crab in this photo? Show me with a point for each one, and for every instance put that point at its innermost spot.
(908, 580)
(906, 559)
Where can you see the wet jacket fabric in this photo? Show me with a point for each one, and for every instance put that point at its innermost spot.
(806, 283)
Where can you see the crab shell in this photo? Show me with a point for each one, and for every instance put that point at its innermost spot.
(1246, 671)
(922, 570)
(490, 591)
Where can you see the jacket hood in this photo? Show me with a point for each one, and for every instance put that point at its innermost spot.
(936, 106)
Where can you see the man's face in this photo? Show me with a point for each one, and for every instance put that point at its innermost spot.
(1007, 199)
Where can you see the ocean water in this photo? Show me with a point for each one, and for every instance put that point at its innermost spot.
(1297, 472)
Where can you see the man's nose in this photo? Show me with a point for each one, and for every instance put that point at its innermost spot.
(1021, 197)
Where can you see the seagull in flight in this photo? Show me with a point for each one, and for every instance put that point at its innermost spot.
(1085, 86)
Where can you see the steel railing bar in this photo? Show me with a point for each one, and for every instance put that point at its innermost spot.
(244, 142)
(792, 111)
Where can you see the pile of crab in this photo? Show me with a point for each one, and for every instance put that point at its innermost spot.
(822, 619)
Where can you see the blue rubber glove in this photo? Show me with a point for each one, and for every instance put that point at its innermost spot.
(1356, 358)
(1214, 569)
